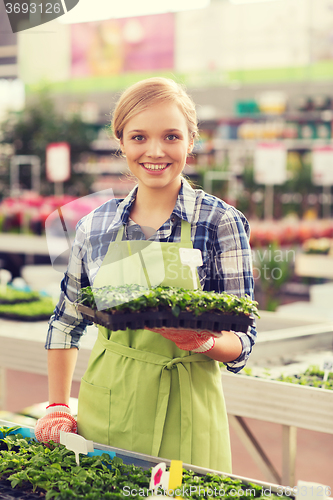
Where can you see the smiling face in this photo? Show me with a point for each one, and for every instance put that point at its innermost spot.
(156, 143)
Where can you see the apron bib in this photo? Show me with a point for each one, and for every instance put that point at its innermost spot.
(141, 392)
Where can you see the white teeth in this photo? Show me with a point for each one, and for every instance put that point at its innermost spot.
(153, 166)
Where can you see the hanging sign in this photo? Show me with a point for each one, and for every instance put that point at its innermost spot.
(270, 163)
(322, 165)
(58, 166)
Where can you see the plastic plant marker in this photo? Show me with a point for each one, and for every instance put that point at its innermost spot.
(76, 443)
(327, 367)
(159, 477)
(307, 490)
(176, 476)
(191, 257)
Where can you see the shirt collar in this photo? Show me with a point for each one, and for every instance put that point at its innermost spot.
(184, 207)
(123, 210)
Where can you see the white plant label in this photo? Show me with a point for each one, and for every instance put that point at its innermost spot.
(270, 163)
(327, 367)
(191, 257)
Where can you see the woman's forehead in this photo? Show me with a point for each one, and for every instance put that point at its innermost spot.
(162, 115)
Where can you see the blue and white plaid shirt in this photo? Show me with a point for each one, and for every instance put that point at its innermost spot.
(219, 230)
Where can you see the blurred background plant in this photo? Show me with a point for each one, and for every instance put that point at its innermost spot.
(37, 125)
(273, 268)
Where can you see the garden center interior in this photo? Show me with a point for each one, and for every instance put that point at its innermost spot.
(261, 75)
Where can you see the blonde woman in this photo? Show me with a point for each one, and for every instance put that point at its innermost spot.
(156, 392)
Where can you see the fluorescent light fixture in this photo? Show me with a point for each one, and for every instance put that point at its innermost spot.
(99, 10)
(242, 2)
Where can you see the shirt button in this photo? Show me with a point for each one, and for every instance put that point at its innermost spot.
(172, 219)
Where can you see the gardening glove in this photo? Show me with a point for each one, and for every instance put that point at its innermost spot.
(58, 418)
(188, 340)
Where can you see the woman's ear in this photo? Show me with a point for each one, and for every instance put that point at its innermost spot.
(190, 146)
(121, 143)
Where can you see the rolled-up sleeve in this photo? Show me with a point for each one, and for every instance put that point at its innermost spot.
(66, 325)
(233, 271)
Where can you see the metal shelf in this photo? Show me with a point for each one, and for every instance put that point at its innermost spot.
(148, 461)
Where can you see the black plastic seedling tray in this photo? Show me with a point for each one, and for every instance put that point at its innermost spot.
(214, 322)
(23, 317)
(8, 493)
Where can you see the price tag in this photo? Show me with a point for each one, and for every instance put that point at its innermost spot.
(159, 478)
(176, 476)
(270, 163)
(327, 366)
(322, 161)
(58, 165)
(167, 481)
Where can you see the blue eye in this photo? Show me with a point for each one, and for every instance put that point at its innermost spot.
(172, 137)
(138, 138)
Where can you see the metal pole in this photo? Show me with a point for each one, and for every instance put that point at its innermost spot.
(327, 202)
(58, 188)
(14, 176)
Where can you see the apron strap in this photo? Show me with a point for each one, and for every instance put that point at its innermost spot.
(120, 233)
(185, 235)
(185, 410)
(147, 357)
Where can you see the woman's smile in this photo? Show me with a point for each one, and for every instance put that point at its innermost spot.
(155, 167)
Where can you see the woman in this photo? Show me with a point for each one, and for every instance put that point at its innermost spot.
(152, 391)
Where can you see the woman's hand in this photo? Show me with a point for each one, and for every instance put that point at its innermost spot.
(188, 340)
(58, 418)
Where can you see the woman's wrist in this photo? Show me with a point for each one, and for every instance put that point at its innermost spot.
(57, 404)
(227, 348)
(56, 408)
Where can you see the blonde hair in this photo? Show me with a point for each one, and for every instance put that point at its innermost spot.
(145, 93)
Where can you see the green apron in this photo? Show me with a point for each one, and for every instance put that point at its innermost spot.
(141, 392)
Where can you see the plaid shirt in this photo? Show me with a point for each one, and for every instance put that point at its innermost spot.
(219, 230)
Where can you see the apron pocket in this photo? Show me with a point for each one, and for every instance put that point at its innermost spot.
(94, 412)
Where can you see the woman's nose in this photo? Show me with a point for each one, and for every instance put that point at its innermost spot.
(155, 149)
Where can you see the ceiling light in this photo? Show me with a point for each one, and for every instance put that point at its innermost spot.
(99, 10)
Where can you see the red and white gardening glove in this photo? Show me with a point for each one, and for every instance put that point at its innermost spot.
(188, 340)
(58, 418)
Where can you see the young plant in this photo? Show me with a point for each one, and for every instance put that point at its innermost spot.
(134, 298)
(51, 471)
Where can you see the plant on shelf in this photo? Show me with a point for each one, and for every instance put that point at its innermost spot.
(312, 376)
(50, 471)
(12, 296)
(40, 309)
(272, 269)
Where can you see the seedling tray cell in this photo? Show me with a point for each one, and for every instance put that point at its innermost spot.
(213, 322)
